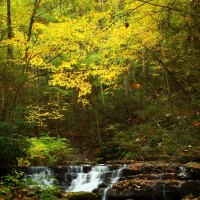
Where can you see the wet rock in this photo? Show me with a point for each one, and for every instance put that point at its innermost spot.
(193, 170)
(141, 180)
(191, 187)
(153, 189)
(141, 188)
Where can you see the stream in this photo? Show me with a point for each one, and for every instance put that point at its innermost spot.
(76, 178)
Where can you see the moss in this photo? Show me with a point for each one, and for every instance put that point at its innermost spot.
(80, 196)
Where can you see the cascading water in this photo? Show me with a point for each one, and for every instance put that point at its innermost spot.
(183, 172)
(88, 181)
(163, 186)
(75, 169)
(116, 175)
(74, 178)
(40, 175)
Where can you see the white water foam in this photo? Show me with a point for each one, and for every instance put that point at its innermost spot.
(82, 181)
(88, 181)
(116, 175)
(40, 176)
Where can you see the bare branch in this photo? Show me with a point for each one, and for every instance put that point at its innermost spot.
(119, 16)
(169, 7)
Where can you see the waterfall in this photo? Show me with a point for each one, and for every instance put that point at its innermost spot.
(163, 186)
(74, 178)
(164, 191)
(183, 172)
(116, 175)
(75, 169)
(40, 176)
(88, 181)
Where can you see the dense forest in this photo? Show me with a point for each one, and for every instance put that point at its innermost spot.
(98, 80)
(99, 99)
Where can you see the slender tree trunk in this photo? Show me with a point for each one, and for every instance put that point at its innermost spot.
(126, 87)
(143, 63)
(9, 32)
(98, 129)
(3, 97)
(8, 64)
(102, 94)
(16, 97)
(31, 22)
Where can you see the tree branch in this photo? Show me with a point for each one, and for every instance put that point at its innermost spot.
(169, 8)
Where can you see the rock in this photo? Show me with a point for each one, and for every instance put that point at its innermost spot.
(191, 197)
(193, 169)
(152, 176)
(146, 189)
(191, 187)
(58, 194)
(158, 189)
(140, 180)
(80, 196)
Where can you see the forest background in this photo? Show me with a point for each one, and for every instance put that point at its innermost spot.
(99, 80)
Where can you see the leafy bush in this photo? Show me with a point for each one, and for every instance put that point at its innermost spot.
(47, 194)
(12, 144)
(4, 190)
(47, 150)
(10, 181)
(13, 179)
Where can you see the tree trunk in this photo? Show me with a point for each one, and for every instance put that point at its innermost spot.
(102, 94)
(31, 22)
(9, 64)
(98, 129)
(3, 97)
(9, 32)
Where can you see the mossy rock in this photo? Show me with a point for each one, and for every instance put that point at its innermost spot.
(81, 196)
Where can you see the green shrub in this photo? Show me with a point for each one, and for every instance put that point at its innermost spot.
(12, 144)
(4, 190)
(10, 181)
(13, 179)
(47, 150)
(47, 194)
